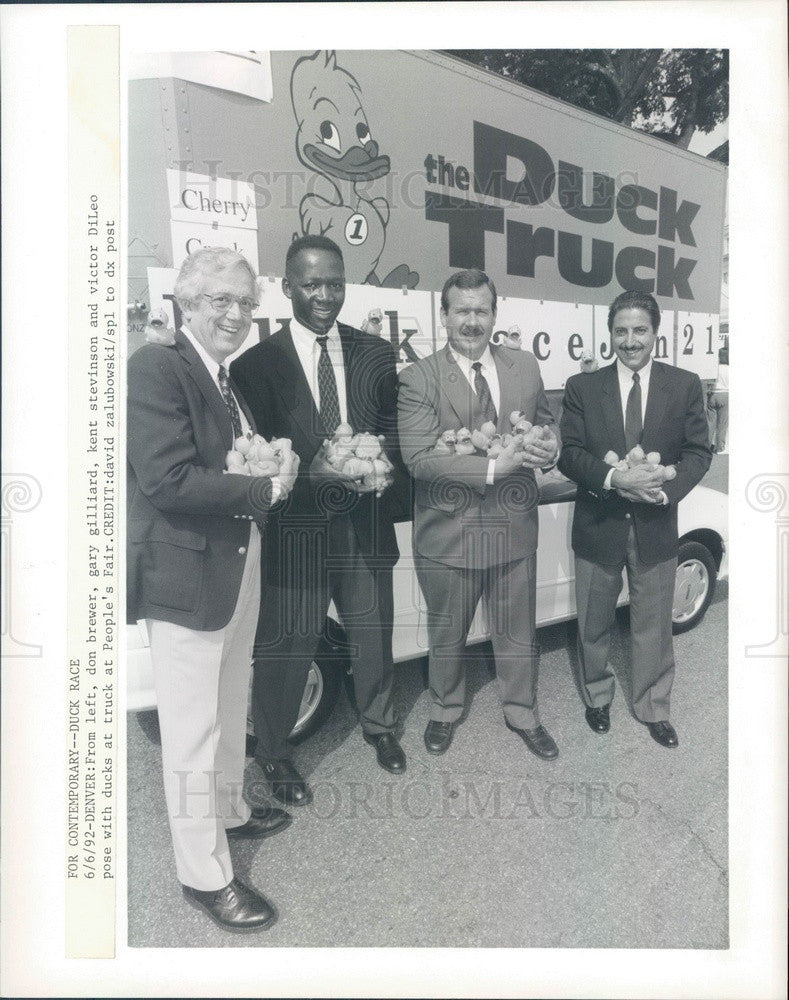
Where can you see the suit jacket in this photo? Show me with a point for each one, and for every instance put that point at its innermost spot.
(273, 383)
(675, 425)
(453, 505)
(188, 521)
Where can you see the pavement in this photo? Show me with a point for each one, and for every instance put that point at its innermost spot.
(618, 843)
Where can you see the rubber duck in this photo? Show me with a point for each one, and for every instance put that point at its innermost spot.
(335, 141)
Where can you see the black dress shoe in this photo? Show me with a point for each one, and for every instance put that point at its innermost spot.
(286, 782)
(599, 719)
(663, 733)
(388, 751)
(538, 741)
(236, 907)
(438, 736)
(264, 822)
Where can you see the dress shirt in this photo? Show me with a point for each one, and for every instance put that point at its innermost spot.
(625, 376)
(492, 378)
(213, 370)
(309, 351)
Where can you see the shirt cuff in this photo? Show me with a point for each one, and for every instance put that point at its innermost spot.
(277, 489)
(607, 484)
(491, 472)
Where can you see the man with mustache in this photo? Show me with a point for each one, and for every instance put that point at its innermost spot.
(475, 518)
(628, 519)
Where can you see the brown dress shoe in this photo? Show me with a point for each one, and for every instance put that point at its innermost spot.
(286, 783)
(663, 733)
(438, 736)
(538, 741)
(388, 751)
(264, 822)
(236, 907)
(599, 719)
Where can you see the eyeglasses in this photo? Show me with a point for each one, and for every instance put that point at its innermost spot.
(222, 303)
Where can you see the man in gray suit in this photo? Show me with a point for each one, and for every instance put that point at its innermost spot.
(475, 518)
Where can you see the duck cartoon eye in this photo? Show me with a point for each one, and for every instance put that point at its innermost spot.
(330, 135)
(362, 131)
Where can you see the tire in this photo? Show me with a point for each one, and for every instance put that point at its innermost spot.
(697, 574)
(321, 691)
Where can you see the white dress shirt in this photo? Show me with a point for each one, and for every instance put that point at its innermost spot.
(309, 351)
(213, 371)
(488, 369)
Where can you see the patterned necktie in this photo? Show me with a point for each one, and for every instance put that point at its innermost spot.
(230, 402)
(633, 425)
(482, 390)
(327, 389)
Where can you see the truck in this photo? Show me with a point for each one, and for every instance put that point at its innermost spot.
(418, 164)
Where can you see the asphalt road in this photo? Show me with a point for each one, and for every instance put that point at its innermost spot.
(618, 843)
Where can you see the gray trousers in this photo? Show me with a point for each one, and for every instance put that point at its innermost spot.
(652, 652)
(452, 595)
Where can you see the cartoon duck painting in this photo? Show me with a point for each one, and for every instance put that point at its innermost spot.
(334, 140)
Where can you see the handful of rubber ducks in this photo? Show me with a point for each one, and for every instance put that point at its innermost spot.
(359, 460)
(636, 456)
(487, 441)
(255, 456)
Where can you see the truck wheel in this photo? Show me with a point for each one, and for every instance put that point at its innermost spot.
(694, 587)
(324, 681)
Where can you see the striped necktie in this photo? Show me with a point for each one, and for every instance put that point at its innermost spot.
(482, 390)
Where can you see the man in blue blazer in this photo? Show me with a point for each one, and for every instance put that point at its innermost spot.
(628, 519)
(194, 573)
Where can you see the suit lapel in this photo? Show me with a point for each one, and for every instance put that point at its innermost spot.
(509, 387)
(457, 390)
(657, 398)
(293, 388)
(199, 374)
(350, 349)
(611, 404)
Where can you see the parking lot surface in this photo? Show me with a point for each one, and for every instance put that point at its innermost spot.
(618, 843)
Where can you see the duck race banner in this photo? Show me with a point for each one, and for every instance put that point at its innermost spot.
(418, 165)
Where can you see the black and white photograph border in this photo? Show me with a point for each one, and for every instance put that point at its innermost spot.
(621, 849)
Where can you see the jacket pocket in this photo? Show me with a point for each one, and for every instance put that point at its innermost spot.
(173, 559)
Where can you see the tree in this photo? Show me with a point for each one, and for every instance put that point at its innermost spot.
(670, 93)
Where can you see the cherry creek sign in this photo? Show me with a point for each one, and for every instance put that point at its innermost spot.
(417, 165)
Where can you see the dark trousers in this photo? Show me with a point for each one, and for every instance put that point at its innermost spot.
(597, 589)
(293, 613)
(452, 595)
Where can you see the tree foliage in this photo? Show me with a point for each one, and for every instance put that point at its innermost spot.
(669, 92)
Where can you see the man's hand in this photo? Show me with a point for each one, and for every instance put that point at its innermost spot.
(287, 474)
(644, 477)
(540, 454)
(508, 461)
(642, 496)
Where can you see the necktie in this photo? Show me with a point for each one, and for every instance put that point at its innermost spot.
(327, 389)
(482, 390)
(633, 426)
(230, 402)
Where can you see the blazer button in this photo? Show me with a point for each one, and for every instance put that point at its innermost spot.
(627, 516)
(242, 550)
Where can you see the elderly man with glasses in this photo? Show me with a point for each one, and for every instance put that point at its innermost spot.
(194, 574)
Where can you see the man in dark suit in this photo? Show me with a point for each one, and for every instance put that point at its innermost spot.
(628, 519)
(193, 573)
(475, 518)
(331, 541)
